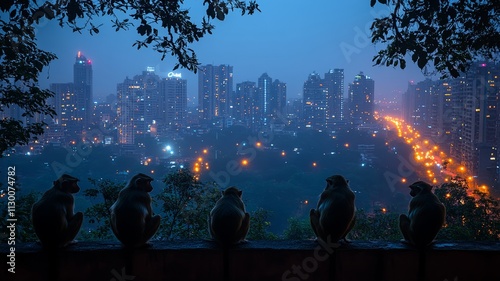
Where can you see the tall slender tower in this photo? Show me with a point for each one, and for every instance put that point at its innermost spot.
(279, 90)
(82, 80)
(215, 85)
(334, 81)
(266, 98)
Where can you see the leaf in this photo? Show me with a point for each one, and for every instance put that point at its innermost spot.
(141, 29)
(414, 57)
(211, 10)
(402, 63)
(5, 5)
(220, 14)
(49, 13)
(422, 61)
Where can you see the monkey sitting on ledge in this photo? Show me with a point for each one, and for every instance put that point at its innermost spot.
(425, 218)
(132, 219)
(228, 222)
(334, 216)
(54, 220)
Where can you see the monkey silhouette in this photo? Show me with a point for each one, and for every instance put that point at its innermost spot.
(334, 216)
(228, 221)
(132, 219)
(53, 217)
(425, 218)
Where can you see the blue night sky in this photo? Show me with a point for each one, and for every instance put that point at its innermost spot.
(288, 40)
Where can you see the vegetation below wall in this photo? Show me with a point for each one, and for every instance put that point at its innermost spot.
(185, 202)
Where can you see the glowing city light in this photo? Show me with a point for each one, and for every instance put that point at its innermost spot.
(437, 165)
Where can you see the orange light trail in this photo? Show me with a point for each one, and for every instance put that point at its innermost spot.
(437, 165)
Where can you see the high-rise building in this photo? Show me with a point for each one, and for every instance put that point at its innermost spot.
(266, 99)
(215, 86)
(173, 103)
(73, 102)
(67, 117)
(462, 114)
(417, 104)
(279, 90)
(441, 113)
(315, 103)
(82, 80)
(245, 104)
(475, 127)
(334, 81)
(138, 101)
(361, 99)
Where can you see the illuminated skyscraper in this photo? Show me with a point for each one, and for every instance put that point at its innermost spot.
(245, 103)
(361, 99)
(334, 81)
(315, 102)
(279, 90)
(64, 102)
(215, 86)
(266, 98)
(137, 106)
(475, 127)
(173, 103)
(82, 80)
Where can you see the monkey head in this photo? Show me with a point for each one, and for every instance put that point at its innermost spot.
(233, 190)
(419, 186)
(67, 184)
(336, 181)
(143, 182)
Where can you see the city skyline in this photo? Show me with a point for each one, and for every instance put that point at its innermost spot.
(272, 42)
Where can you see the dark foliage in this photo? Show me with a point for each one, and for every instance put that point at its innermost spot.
(259, 223)
(446, 34)
(475, 217)
(98, 215)
(185, 203)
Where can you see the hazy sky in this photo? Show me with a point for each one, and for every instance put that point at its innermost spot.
(288, 40)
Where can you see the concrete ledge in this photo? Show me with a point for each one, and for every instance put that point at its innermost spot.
(255, 260)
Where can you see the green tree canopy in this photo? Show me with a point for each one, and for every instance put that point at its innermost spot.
(445, 34)
(185, 203)
(166, 26)
(99, 214)
(473, 216)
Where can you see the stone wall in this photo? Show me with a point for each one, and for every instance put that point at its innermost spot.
(255, 260)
